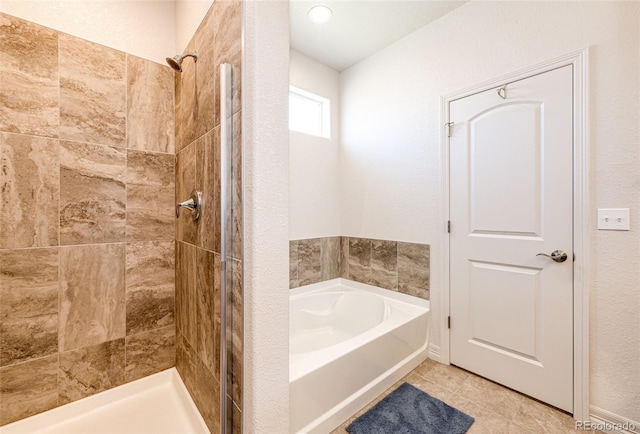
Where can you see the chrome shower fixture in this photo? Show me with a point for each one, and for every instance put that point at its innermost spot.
(176, 61)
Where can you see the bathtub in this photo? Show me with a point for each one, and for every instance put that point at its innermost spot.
(158, 404)
(349, 342)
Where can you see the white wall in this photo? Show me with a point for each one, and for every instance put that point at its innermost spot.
(265, 85)
(391, 148)
(188, 16)
(314, 178)
(142, 28)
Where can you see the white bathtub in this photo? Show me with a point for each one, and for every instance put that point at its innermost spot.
(158, 404)
(348, 343)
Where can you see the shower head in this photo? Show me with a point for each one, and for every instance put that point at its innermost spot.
(176, 61)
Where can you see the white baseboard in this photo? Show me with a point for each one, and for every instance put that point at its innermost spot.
(612, 423)
(434, 352)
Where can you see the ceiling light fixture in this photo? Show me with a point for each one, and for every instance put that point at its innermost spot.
(320, 14)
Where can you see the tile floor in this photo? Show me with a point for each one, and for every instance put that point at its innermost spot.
(496, 409)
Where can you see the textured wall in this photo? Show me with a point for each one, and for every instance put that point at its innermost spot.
(198, 255)
(314, 178)
(392, 265)
(188, 15)
(395, 191)
(86, 246)
(112, 23)
(266, 242)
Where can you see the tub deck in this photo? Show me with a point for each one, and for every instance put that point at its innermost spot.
(158, 404)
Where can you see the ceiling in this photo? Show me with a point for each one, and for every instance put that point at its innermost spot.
(359, 28)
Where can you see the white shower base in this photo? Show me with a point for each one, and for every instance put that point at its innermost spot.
(158, 404)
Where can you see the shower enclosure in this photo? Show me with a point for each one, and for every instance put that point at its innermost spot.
(100, 284)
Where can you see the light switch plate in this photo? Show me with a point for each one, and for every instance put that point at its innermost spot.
(610, 219)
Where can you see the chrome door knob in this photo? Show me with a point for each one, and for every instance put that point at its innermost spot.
(556, 255)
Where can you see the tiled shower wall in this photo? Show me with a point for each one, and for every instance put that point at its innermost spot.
(198, 256)
(393, 265)
(86, 218)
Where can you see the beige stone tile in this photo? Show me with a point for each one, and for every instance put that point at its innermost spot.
(150, 106)
(228, 47)
(236, 427)
(329, 258)
(426, 365)
(186, 291)
(309, 261)
(542, 418)
(28, 304)
(28, 388)
(92, 193)
(235, 363)
(150, 285)
(150, 352)
(30, 189)
(413, 269)
(207, 396)
(208, 309)
(344, 257)
(186, 110)
(491, 396)
(92, 295)
(208, 181)
(293, 264)
(150, 196)
(87, 371)
(447, 376)
(429, 387)
(384, 264)
(92, 92)
(185, 183)
(29, 69)
(186, 361)
(204, 74)
(360, 259)
(236, 187)
(486, 421)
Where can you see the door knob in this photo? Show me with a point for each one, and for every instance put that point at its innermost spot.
(556, 255)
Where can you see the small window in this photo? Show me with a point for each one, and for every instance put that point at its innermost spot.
(308, 113)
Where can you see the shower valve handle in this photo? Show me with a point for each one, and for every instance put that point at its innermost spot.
(194, 204)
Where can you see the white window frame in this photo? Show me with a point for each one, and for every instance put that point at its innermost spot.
(325, 112)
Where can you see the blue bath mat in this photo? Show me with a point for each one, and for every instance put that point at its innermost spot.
(408, 410)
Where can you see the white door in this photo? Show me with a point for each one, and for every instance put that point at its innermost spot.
(511, 198)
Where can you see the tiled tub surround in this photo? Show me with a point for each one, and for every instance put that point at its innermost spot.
(87, 227)
(393, 265)
(198, 255)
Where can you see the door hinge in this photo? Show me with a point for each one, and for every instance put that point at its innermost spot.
(448, 125)
(448, 322)
(449, 226)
